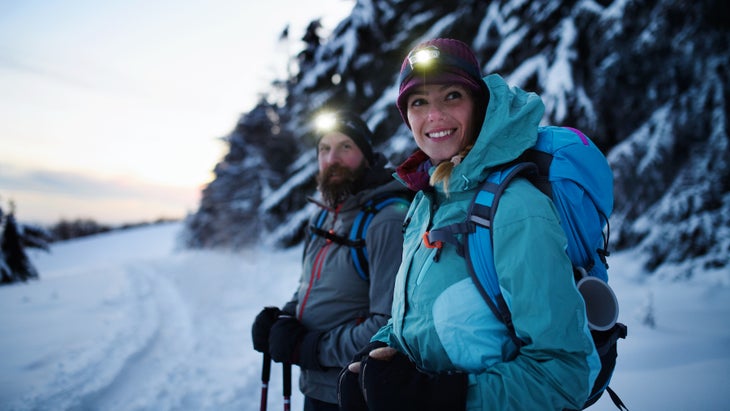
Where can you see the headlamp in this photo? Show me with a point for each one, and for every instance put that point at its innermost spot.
(423, 56)
(431, 59)
(325, 122)
(347, 123)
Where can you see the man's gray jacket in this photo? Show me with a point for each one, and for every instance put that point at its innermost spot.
(334, 299)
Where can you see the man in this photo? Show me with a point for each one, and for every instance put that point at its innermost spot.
(336, 311)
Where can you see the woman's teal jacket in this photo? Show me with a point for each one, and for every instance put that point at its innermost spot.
(439, 318)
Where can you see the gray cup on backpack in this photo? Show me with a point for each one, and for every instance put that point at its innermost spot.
(601, 302)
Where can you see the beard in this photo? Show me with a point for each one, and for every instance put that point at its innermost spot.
(337, 182)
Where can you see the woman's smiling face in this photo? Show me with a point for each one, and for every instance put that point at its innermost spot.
(442, 119)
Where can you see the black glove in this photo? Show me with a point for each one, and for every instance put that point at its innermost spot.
(262, 327)
(349, 394)
(291, 342)
(396, 385)
(365, 351)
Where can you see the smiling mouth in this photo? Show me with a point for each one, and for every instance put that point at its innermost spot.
(440, 134)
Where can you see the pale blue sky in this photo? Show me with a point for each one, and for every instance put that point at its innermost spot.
(113, 110)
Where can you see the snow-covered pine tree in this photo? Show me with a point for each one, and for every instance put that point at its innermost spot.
(257, 161)
(648, 81)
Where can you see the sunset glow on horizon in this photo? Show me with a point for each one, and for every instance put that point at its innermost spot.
(115, 111)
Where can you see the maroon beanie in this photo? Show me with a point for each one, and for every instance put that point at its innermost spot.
(439, 61)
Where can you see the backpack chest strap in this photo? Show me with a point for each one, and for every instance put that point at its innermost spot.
(448, 234)
(357, 232)
(331, 236)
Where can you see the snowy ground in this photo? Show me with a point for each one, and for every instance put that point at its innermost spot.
(124, 321)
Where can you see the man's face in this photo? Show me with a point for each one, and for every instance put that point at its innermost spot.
(341, 163)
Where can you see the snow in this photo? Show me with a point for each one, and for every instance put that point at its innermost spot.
(506, 46)
(559, 81)
(127, 321)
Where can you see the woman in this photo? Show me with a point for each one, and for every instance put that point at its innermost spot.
(443, 349)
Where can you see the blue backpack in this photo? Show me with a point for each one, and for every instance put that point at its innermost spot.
(567, 167)
(356, 239)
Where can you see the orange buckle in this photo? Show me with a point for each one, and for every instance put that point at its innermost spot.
(429, 244)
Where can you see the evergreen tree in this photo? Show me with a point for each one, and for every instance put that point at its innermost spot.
(16, 265)
(14, 239)
(648, 81)
(233, 206)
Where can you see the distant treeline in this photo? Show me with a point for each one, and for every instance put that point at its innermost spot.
(82, 227)
(16, 237)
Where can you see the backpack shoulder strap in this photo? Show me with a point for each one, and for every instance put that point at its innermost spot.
(360, 227)
(356, 238)
(316, 229)
(479, 244)
(321, 217)
(476, 244)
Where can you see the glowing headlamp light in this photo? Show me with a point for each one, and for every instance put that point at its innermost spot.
(325, 122)
(423, 56)
(429, 59)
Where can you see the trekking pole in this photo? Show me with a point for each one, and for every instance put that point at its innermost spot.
(286, 371)
(265, 373)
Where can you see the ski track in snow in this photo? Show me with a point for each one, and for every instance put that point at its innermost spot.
(146, 327)
(89, 356)
(158, 360)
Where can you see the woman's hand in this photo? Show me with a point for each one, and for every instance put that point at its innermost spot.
(349, 392)
(386, 380)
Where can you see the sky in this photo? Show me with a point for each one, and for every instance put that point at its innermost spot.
(115, 110)
(127, 321)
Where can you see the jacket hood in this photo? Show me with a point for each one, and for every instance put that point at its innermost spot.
(509, 128)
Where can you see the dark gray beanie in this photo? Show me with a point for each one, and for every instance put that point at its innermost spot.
(350, 124)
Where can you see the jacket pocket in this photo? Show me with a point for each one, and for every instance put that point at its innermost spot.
(471, 336)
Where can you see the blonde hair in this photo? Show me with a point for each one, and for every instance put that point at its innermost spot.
(443, 171)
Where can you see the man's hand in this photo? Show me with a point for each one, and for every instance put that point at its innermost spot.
(291, 342)
(262, 327)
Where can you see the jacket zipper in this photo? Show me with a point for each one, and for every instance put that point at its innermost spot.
(317, 266)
